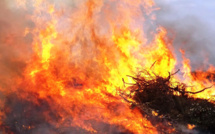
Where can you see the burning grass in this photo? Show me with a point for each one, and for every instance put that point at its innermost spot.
(22, 116)
(166, 103)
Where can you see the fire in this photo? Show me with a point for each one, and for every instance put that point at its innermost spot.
(190, 126)
(197, 83)
(77, 64)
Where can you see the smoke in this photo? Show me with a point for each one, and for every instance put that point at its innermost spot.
(190, 25)
(14, 46)
(78, 27)
(191, 30)
(83, 37)
(27, 117)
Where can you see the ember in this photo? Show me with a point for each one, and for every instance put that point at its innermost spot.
(65, 66)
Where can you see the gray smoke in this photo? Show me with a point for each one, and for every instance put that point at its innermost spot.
(188, 31)
(190, 24)
(14, 47)
(15, 52)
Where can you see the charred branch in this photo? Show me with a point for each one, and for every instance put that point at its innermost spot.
(170, 101)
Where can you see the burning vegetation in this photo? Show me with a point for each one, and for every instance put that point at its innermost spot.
(163, 101)
(62, 67)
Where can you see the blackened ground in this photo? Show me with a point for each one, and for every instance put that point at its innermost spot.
(24, 116)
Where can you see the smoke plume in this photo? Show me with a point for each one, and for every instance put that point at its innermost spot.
(189, 24)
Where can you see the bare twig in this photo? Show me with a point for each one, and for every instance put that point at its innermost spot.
(153, 64)
(198, 91)
(176, 72)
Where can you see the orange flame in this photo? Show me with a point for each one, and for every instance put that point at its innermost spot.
(80, 67)
(189, 126)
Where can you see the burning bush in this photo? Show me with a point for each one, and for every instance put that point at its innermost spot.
(164, 100)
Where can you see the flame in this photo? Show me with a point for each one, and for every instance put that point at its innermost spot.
(79, 69)
(197, 83)
(190, 126)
